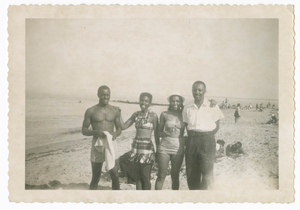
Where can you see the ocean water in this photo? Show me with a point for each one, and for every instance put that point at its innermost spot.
(55, 119)
(51, 120)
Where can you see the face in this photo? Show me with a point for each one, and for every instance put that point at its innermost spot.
(175, 102)
(198, 91)
(144, 102)
(104, 96)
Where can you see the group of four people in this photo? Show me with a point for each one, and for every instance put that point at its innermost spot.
(162, 140)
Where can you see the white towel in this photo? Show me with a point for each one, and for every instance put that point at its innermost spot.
(107, 145)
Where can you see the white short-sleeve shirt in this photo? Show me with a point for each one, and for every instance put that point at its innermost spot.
(202, 119)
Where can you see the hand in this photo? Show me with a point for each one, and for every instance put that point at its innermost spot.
(136, 114)
(100, 134)
(117, 108)
(114, 136)
(213, 103)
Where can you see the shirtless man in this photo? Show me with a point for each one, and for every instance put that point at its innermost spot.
(102, 117)
(234, 150)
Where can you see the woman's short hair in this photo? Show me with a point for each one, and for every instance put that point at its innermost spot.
(146, 94)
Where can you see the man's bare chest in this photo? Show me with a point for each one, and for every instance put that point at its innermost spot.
(103, 115)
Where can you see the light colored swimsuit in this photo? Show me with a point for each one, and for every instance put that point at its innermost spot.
(170, 145)
(97, 156)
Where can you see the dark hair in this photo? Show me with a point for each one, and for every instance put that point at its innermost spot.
(238, 105)
(181, 105)
(239, 143)
(221, 142)
(200, 82)
(146, 94)
(103, 87)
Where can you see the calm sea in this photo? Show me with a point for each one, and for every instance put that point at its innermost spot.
(51, 120)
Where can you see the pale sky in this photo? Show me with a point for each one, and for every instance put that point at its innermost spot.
(73, 57)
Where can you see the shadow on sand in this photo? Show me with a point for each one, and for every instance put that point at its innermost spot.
(56, 185)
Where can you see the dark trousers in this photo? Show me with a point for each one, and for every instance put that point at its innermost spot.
(200, 155)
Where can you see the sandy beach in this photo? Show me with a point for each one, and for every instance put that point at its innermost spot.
(66, 165)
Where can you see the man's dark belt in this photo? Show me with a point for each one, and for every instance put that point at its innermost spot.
(195, 133)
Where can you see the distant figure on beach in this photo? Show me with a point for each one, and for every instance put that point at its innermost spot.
(220, 151)
(171, 146)
(250, 106)
(202, 122)
(273, 119)
(223, 105)
(237, 113)
(256, 106)
(143, 148)
(273, 106)
(234, 150)
(102, 117)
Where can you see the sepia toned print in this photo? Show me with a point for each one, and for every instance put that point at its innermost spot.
(234, 131)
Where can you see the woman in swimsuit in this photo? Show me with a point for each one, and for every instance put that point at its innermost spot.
(237, 113)
(143, 149)
(171, 147)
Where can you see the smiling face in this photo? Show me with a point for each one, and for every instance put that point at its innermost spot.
(175, 102)
(144, 102)
(104, 96)
(199, 91)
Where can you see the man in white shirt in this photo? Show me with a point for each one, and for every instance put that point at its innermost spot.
(202, 123)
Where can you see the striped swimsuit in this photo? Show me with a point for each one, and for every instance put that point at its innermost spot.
(142, 148)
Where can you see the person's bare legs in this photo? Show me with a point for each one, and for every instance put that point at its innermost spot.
(176, 163)
(145, 172)
(115, 178)
(96, 173)
(163, 162)
(138, 181)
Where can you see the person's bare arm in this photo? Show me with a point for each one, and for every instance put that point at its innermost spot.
(184, 119)
(217, 127)
(86, 124)
(118, 126)
(155, 127)
(128, 123)
(161, 125)
(185, 126)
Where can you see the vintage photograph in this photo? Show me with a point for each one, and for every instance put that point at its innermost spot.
(188, 104)
(151, 104)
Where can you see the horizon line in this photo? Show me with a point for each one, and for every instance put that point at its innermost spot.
(113, 98)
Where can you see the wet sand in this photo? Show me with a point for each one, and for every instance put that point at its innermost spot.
(67, 165)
